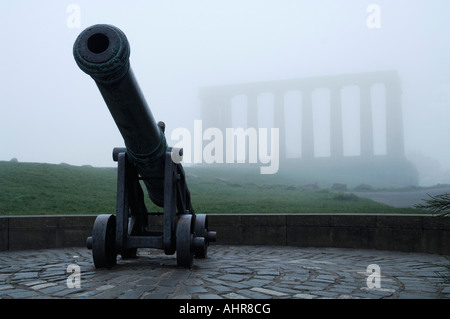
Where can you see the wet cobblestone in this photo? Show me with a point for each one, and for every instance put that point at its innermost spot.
(229, 272)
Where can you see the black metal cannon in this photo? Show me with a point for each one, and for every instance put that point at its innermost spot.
(102, 51)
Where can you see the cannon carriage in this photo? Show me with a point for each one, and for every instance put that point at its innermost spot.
(102, 51)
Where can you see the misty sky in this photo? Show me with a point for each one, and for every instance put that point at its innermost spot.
(50, 111)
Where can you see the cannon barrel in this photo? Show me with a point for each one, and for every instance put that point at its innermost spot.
(102, 51)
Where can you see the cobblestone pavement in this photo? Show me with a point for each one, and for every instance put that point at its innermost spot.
(229, 272)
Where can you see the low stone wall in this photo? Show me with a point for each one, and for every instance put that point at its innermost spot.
(40, 232)
(409, 233)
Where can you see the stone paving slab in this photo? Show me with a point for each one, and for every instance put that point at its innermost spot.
(229, 272)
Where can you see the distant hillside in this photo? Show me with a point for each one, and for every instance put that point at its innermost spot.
(37, 189)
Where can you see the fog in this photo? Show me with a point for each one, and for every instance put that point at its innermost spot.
(50, 111)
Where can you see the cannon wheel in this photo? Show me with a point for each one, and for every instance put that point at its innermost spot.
(184, 241)
(104, 241)
(201, 230)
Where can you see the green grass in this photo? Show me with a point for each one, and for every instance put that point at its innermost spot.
(36, 189)
(43, 189)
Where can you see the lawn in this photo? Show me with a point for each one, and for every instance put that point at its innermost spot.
(43, 189)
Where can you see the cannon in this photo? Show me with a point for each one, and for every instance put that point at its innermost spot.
(102, 51)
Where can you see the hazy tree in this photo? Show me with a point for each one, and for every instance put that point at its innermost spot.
(437, 204)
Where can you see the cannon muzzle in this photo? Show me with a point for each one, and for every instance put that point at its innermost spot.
(102, 51)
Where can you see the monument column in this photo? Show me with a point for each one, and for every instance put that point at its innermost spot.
(279, 122)
(366, 126)
(394, 120)
(336, 138)
(307, 124)
(225, 112)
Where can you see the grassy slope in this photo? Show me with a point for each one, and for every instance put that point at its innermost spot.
(35, 189)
